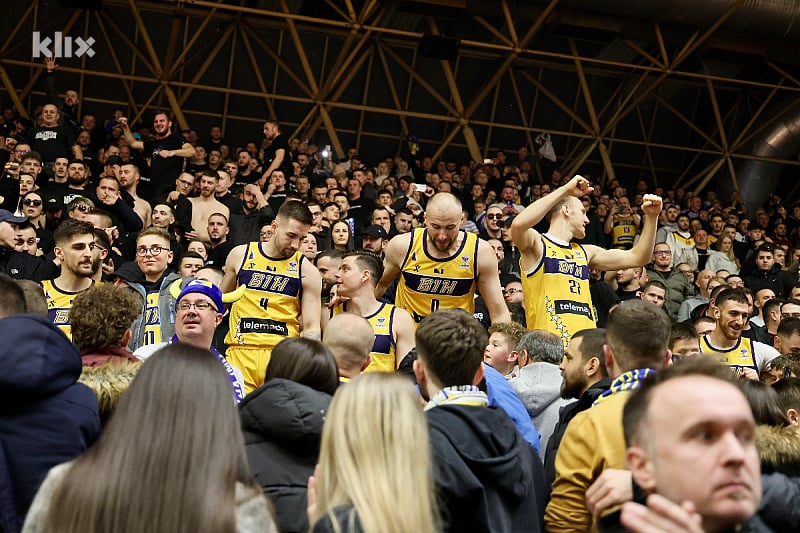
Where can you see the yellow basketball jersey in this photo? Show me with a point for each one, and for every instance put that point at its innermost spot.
(556, 291)
(152, 319)
(623, 231)
(427, 284)
(382, 356)
(269, 310)
(59, 302)
(738, 357)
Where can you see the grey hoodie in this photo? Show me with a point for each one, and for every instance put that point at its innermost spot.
(538, 385)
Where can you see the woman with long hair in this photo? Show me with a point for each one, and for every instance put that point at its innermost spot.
(171, 459)
(721, 257)
(282, 424)
(374, 432)
(341, 236)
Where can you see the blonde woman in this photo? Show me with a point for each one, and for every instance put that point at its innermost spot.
(721, 257)
(374, 472)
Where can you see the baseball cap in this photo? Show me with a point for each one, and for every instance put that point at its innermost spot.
(8, 216)
(54, 201)
(203, 287)
(376, 231)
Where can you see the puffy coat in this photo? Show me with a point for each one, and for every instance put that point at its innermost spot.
(282, 424)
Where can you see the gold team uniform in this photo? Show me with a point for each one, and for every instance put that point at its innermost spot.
(427, 284)
(556, 291)
(267, 313)
(738, 357)
(383, 355)
(623, 231)
(59, 302)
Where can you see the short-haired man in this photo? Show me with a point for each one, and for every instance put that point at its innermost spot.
(441, 266)
(198, 311)
(156, 323)
(374, 239)
(678, 286)
(628, 282)
(129, 178)
(162, 216)
(538, 381)
(787, 340)
(277, 155)
(701, 282)
(350, 339)
(556, 271)
(74, 250)
(746, 357)
(584, 378)
(501, 483)
(393, 328)
(189, 263)
(637, 338)
(195, 212)
(327, 262)
(654, 292)
(767, 273)
(221, 245)
(403, 222)
(691, 440)
(281, 285)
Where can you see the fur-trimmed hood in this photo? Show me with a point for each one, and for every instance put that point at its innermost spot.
(109, 382)
(779, 449)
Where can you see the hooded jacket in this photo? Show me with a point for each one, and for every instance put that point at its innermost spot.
(538, 385)
(282, 425)
(488, 477)
(166, 311)
(46, 416)
(766, 279)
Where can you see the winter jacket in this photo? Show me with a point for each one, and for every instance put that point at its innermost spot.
(166, 312)
(282, 424)
(109, 381)
(502, 395)
(567, 413)
(779, 449)
(766, 279)
(46, 416)
(538, 385)
(779, 497)
(678, 288)
(489, 479)
(21, 265)
(252, 510)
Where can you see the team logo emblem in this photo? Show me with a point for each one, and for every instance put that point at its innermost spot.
(464, 261)
(292, 266)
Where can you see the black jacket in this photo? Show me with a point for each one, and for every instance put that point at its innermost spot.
(20, 265)
(282, 425)
(488, 477)
(761, 279)
(567, 413)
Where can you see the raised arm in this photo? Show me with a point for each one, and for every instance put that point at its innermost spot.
(641, 252)
(489, 284)
(527, 239)
(129, 138)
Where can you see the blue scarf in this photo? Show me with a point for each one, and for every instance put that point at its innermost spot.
(629, 381)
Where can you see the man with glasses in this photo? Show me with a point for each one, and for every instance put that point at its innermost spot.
(493, 225)
(678, 286)
(156, 323)
(75, 252)
(198, 311)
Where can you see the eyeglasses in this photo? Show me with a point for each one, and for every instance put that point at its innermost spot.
(187, 183)
(512, 291)
(183, 305)
(494, 217)
(83, 208)
(154, 250)
(34, 203)
(663, 253)
(19, 151)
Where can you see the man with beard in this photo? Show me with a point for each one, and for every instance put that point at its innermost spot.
(281, 285)
(276, 155)
(129, 180)
(221, 246)
(585, 378)
(441, 266)
(254, 212)
(193, 213)
(556, 271)
(74, 249)
(109, 197)
(328, 263)
(166, 151)
(747, 358)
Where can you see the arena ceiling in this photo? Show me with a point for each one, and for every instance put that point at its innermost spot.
(673, 91)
